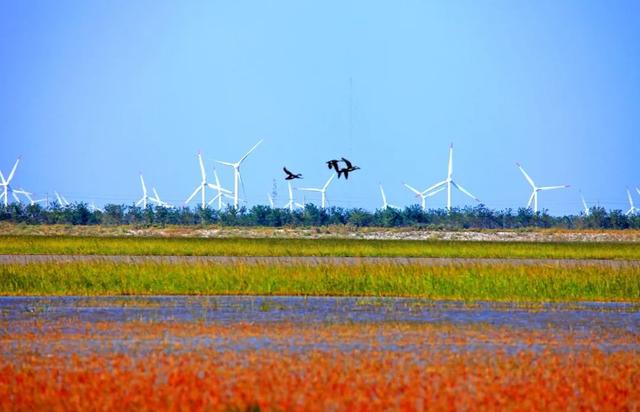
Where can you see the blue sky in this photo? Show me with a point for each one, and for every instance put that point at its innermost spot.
(91, 93)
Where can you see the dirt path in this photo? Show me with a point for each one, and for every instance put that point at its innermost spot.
(311, 260)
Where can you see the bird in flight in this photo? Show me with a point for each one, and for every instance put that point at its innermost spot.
(291, 176)
(346, 170)
(333, 164)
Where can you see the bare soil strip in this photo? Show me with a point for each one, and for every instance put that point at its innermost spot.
(312, 260)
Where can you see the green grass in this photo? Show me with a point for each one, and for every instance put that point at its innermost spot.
(467, 282)
(314, 247)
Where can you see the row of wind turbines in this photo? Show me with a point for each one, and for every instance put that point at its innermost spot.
(233, 195)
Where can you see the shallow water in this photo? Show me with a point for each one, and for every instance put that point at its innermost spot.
(296, 309)
(398, 322)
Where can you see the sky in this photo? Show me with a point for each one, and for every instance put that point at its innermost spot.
(93, 93)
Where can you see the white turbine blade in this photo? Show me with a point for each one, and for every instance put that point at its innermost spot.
(437, 185)
(328, 182)
(465, 191)
(584, 204)
(630, 199)
(384, 198)
(195, 192)
(139, 202)
(15, 196)
(300, 205)
(203, 174)
(310, 189)
(553, 187)
(155, 193)
(2, 178)
(638, 190)
(13, 171)
(413, 189)
(214, 198)
(435, 192)
(215, 175)
(59, 198)
(64, 199)
(144, 187)
(533, 185)
(531, 199)
(226, 163)
(270, 199)
(450, 171)
(249, 152)
(218, 188)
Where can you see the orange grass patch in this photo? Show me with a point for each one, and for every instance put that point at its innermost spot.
(69, 365)
(368, 380)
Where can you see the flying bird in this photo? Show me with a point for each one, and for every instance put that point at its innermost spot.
(291, 176)
(346, 170)
(333, 164)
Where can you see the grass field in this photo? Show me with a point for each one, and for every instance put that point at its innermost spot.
(172, 366)
(314, 247)
(467, 282)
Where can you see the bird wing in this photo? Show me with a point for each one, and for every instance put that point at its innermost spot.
(287, 171)
(348, 163)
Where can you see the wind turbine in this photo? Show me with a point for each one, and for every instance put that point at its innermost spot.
(450, 182)
(95, 208)
(536, 189)
(61, 199)
(423, 195)
(385, 205)
(145, 196)
(157, 200)
(5, 185)
(270, 200)
(323, 190)
(202, 187)
(291, 204)
(236, 172)
(222, 192)
(584, 204)
(632, 208)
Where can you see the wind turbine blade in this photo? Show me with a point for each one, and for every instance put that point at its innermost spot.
(437, 185)
(249, 152)
(139, 202)
(630, 199)
(202, 171)
(584, 204)
(553, 187)
(450, 171)
(2, 178)
(533, 185)
(465, 191)
(195, 192)
(435, 192)
(328, 182)
(13, 171)
(384, 198)
(156, 194)
(215, 175)
(413, 189)
(638, 190)
(59, 198)
(15, 196)
(226, 163)
(65, 200)
(144, 187)
(531, 199)
(214, 198)
(309, 189)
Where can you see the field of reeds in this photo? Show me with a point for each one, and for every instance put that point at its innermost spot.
(197, 366)
(492, 281)
(315, 247)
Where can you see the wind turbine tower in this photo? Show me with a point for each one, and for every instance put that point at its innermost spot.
(448, 182)
(536, 189)
(5, 184)
(236, 172)
(322, 190)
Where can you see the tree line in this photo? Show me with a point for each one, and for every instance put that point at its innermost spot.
(478, 217)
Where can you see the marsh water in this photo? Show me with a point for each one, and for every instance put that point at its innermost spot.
(581, 319)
